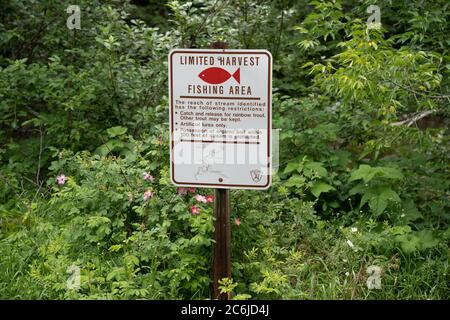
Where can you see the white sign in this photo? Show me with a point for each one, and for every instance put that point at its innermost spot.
(220, 118)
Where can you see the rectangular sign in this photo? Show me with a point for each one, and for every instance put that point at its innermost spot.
(220, 118)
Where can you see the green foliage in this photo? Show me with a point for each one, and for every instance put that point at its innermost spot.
(377, 193)
(364, 152)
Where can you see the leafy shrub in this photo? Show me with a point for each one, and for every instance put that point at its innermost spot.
(363, 178)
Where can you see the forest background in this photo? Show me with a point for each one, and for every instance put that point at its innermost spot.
(359, 206)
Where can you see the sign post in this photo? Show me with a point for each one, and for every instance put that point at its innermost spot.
(222, 244)
(220, 130)
(222, 231)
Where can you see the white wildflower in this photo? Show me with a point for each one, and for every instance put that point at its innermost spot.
(350, 244)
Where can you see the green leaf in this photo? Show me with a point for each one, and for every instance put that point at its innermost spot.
(379, 197)
(390, 173)
(131, 260)
(358, 189)
(367, 173)
(116, 273)
(419, 240)
(116, 131)
(410, 210)
(408, 243)
(400, 230)
(364, 172)
(291, 166)
(112, 146)
(427, 239)
(115, 247)
(180, 207)
(320, 187)
(378, 204)
(295, 181)
(314, 167)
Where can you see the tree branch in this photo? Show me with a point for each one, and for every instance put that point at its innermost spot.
(415, 118)
(441, 96)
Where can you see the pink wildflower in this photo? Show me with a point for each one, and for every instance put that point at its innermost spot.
(195, 210)
(148, 194)
(191, 190)
(182, 191)
(209, 198)
(148, 177)
(61, 179)
(200, 198)
(237, 221)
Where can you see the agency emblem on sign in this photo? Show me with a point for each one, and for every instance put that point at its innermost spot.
(220, 118)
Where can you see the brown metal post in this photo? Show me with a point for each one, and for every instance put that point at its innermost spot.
(222, 245)
(222, 229)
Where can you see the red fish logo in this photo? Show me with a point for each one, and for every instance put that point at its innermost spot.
(215, 75)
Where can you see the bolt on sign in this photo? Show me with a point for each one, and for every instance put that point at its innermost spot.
(220, 118)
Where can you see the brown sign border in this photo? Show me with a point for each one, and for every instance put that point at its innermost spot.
(269, 100)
